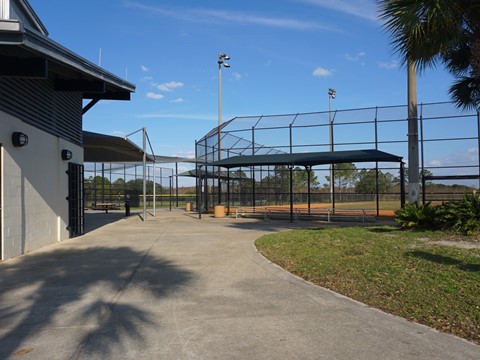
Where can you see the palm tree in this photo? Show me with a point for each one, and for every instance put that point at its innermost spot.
(431, 31)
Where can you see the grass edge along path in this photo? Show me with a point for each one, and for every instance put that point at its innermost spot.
(405, 273)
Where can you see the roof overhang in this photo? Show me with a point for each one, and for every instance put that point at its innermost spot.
(28, 53)
(109, 149)
(307, 159)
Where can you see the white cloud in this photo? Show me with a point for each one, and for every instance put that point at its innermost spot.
(467, 157)
(321, 72)
(144, 68)
(155, 96)
(434, 163)
(227, 17)
(118, 133)
(355, 57)
(236, 76)
(391, 65)
(170, 86)
(365, 9)
(179, 100)
(472, 151)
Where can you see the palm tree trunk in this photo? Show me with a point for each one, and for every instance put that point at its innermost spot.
(413, 158)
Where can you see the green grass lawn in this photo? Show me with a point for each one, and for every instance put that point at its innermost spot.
(406, 273)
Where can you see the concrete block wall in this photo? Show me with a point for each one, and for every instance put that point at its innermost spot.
(34, 187)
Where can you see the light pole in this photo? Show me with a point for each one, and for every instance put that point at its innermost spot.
(332, 94)
(221, 63)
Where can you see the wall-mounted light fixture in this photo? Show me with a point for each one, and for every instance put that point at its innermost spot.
(19, 139)
(66, 154)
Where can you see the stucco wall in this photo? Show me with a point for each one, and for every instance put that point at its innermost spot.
(34, 188)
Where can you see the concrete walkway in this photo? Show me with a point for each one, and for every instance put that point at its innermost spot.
(176, 287)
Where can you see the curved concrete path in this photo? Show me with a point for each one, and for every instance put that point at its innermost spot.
(176, 287)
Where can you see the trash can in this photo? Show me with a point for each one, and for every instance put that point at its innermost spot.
(219, 211)
(188, 206)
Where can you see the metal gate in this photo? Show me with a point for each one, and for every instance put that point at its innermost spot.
(1, 203)
(76, 213)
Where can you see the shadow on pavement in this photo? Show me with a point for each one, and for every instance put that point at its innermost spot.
(81, 288)
(97, 219)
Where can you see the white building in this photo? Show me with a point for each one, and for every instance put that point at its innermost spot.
(42, 87)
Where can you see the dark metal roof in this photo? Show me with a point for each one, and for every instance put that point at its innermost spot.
(212, 175)
(308, 159)
(23, 49)
(107, 148)
(110, 149)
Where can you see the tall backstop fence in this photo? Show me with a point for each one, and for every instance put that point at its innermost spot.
(110, 183)
(448, 152)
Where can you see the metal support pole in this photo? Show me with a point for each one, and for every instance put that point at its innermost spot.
(219, 110)
(176, 180)
(376, 164)
(199, 174)
(402, 184)
(198, 188)
(331, 93)
(228, 191)
(103, 182)
(144, 174)
(309, 170)
(154, 189)
(94, 184)
(206, 179)
(478, 145)
(161, 197)
(422, 154)
(290, 167)
(252, 170)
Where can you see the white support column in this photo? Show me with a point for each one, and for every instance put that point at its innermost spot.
(154, 189)
(4, 9)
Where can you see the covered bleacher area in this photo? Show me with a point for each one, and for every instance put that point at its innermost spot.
(308, 161)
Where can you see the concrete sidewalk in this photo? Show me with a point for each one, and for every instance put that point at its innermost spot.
(176, 287)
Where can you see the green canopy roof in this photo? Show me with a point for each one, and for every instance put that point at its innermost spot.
(308, 159)
(211, 175)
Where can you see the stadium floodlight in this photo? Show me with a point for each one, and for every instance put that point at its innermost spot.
(332, 93)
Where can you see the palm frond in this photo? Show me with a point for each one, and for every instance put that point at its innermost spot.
(421, 30)
(466, 93)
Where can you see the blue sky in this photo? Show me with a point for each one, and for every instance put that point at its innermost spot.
(285, 55)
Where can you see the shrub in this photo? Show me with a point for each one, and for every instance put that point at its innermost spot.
(415, 216)
(462, 216)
